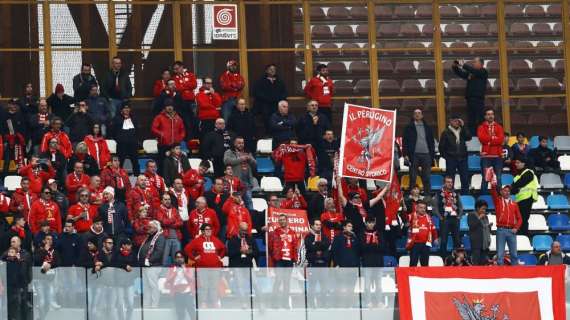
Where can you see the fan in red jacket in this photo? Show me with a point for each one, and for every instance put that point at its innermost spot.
(97, 147)
(75, 180)
(160, 84)
(45, 209)
(421, 235)
(113, 175)
(293, 200)
(491, 135)
(168, 126)
(200, 216)
(209, 102)
(142, 195)
(169, 218)
(236, 212)
(321, 88)
(193, 180)
(185, 81)
(155, 181)
(206, 250)
(4, 203)
(231, 82)
(295, 158)
(62, 138)
(331, 219)
(22, 199)
(283, 244)
(231, 182)
(82, 213)
(140, 226)
(37, 174)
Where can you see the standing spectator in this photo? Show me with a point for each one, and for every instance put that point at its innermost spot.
(74, 181)
(543, 157)
(236, 213)
(293, 199)
(186, 84)
(243, 165)
(80, 123)
(18, 263)
(19, 229)
(161, 83)
(242, 123)
(45, 210)
(47, 258)
(97, 147)
(175, 165)
(331, 219)
(29, 102)
(554, 256)
(116, 86)
(345, 248)
(206, 250)
(476, 76)
(215, 144)
(114, 216)
(155, 181)
(321, 89)
(282, 124)
(96, 190)
(116, 177)
(170, 93)
(83, 82)
(124, 131)
(38, 173)
(194, 179)
(317, 245)
(372, 248)
(60, 103)
(312, 126)
(449, 209)
(508, 154)
(140, 226)
(327, 147)
(201, 215)
(181, 284)
(59, 197)
(419, 149)
(14, 131)
(168, 129)
(96, 233)
(142, 195)
(61, 137)
(39, 125)
(68, 246)
(295, 158)
(181, 199)
(282, 245)
(171, 224)
(22, 199)
(209, 105)
(152, 250)
(232, 84)
(479, 233)
(56, 159)
(242, 249)
(268, 91)
(525, 187)
(316, 205)
(509, 222)
(453, 148)
(216, 197)
(491, 136)
(90, 166)
(98, 108)
(422, 235)
(82, 213)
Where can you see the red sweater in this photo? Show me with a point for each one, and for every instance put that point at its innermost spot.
(73, 183)
(236, 214)
(37, 177)
(138, 197)
(170, 220)
(295, 157)
(185, 84)
(157, 182)
(45, 211)
(491, 137)
(232, 84)
(316, 89)
(159, 85)
(197, 219)
(140, 226)
(25, 200)
(209, 105)
(116, 178)
(298, 203)
(98, 149)
(507, 211)
(206, 251)
(62, 138)
(191, 179)
(332, 217)
(421, 229)
(83, 224)
(283, 245)
(168, 129)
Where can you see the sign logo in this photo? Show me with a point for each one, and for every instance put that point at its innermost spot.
(224, 22)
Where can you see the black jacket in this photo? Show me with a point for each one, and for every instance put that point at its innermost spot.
(410, 137)
(310, 133)
(236, 259)
(29, 105)
(448, 146)
(86, 259)
(214, 145)
(108, 89)
(243, 124)
(267, 94)
(26, 242)
(475, 230)
(371, 253)
(80, 125)
(82, 85)
(344, 256)
(178, 103)
(316, 206)
(211, 200)
(19, 123)
(122, 261)
(90, 166)
(317, 252)
(282, 128)
(38, 130)
(325, 154)
(40, 255)
(170, 170)
(61, 107)
(59, 165)
(120, 225)
(538, 157)
(124, 138)
(476, 80)
(69, 248)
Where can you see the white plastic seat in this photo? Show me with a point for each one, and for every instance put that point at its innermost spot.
(404, 261)
(476, 181)
(493, 219)
(564, 162)
(271, 184)
(493, 246)
(150, 146)
(457, 183)
(442, 164)
(537, 222)
(112, 145)
(264, 146)
(473, 145)
(195, 163)
(403, 166)
(562, 143)
(11, 183)
(550, 181)
(259, 204)
(435, 261)
(540, 204)
(523, 243)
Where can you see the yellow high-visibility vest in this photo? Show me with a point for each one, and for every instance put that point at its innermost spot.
(530, 190)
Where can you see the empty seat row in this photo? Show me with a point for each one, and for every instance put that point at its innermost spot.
(521, 29)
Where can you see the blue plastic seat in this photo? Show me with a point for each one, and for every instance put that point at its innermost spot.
(435, 220)
(466, 242)
(489, 200)
(528, 259)
(184, 147)
(558, 222)
(142, 163)
(207, 183)
(463, 226)
(468, 203)
(557, 202)
(506, 178)
(534, 142)
(474, 163)
(449, 244)
(541, 242)
(260, 245)
(265, 165)
(436, 181)
(390, 261)
(564, 240)
(567, 181)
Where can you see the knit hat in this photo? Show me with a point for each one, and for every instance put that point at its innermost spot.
(59, 88)
(110, 190)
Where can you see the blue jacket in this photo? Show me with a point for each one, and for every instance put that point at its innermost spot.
(68, 246)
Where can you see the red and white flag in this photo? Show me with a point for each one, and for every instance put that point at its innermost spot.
(460, 293)
(367, 143)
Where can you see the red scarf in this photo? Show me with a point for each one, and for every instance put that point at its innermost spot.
(20, 231)
(371, 237)
(125, 252)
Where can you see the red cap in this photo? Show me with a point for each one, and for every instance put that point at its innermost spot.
(59, 88)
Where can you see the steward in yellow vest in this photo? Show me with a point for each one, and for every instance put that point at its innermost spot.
(525, 188)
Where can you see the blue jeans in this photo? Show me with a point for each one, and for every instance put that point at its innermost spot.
(228, 107)
(171, 246)
(458, 166)
(114, 106)
(497, 165)
(510, 238)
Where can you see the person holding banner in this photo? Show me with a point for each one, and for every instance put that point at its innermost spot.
(295, 158)
(491, 135)
(282, 245)
(331, 219)
(419, 149)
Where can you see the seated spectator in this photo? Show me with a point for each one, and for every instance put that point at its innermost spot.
(60, 102)
(80, 123)
(39, 125)
(312, 126)
(68, 246)
(215, 144)
(98, 108)
(114, 216)
(97, 147)
(282, 124)
(175, 165)
(140, 226)
(554, 256)
(201, 215)
(161, 83)
(14, 131)
(544, 158)
(56, 159)
(61, 137)
(232, 84)
(326, 149)
(45, 210)
(206, 250)
(521, 147)
(209, 104)
(293, 199)
(242, 123)
(168, 129)
(76, 180)
(458, 258)
(82, 213)
(124, 131)
(38, 173)
(295, 158)
(82, 82)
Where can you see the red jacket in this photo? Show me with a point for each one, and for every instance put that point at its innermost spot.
(170, 220)
(232, 84)
(348, 188)
(74, 183)
(421, 229)
(236, 214)
(140, 226)
(45, 211)
(209, 105)
(232, 183)
(316, 89)
(23, 200)
(98, 149)
(295, 158)
(331, 217)
(168, 130)
(507, 211)
(185, 84)
(157, 182)
(4, 203)
(138, 197)
(207, 252)
(283, 245)
(197, 219)
(159, 85)
(62, 138)
(293, 203)
(191, 179)
(37, 178)
(83, 224)
(116, 178)
(491, 137)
